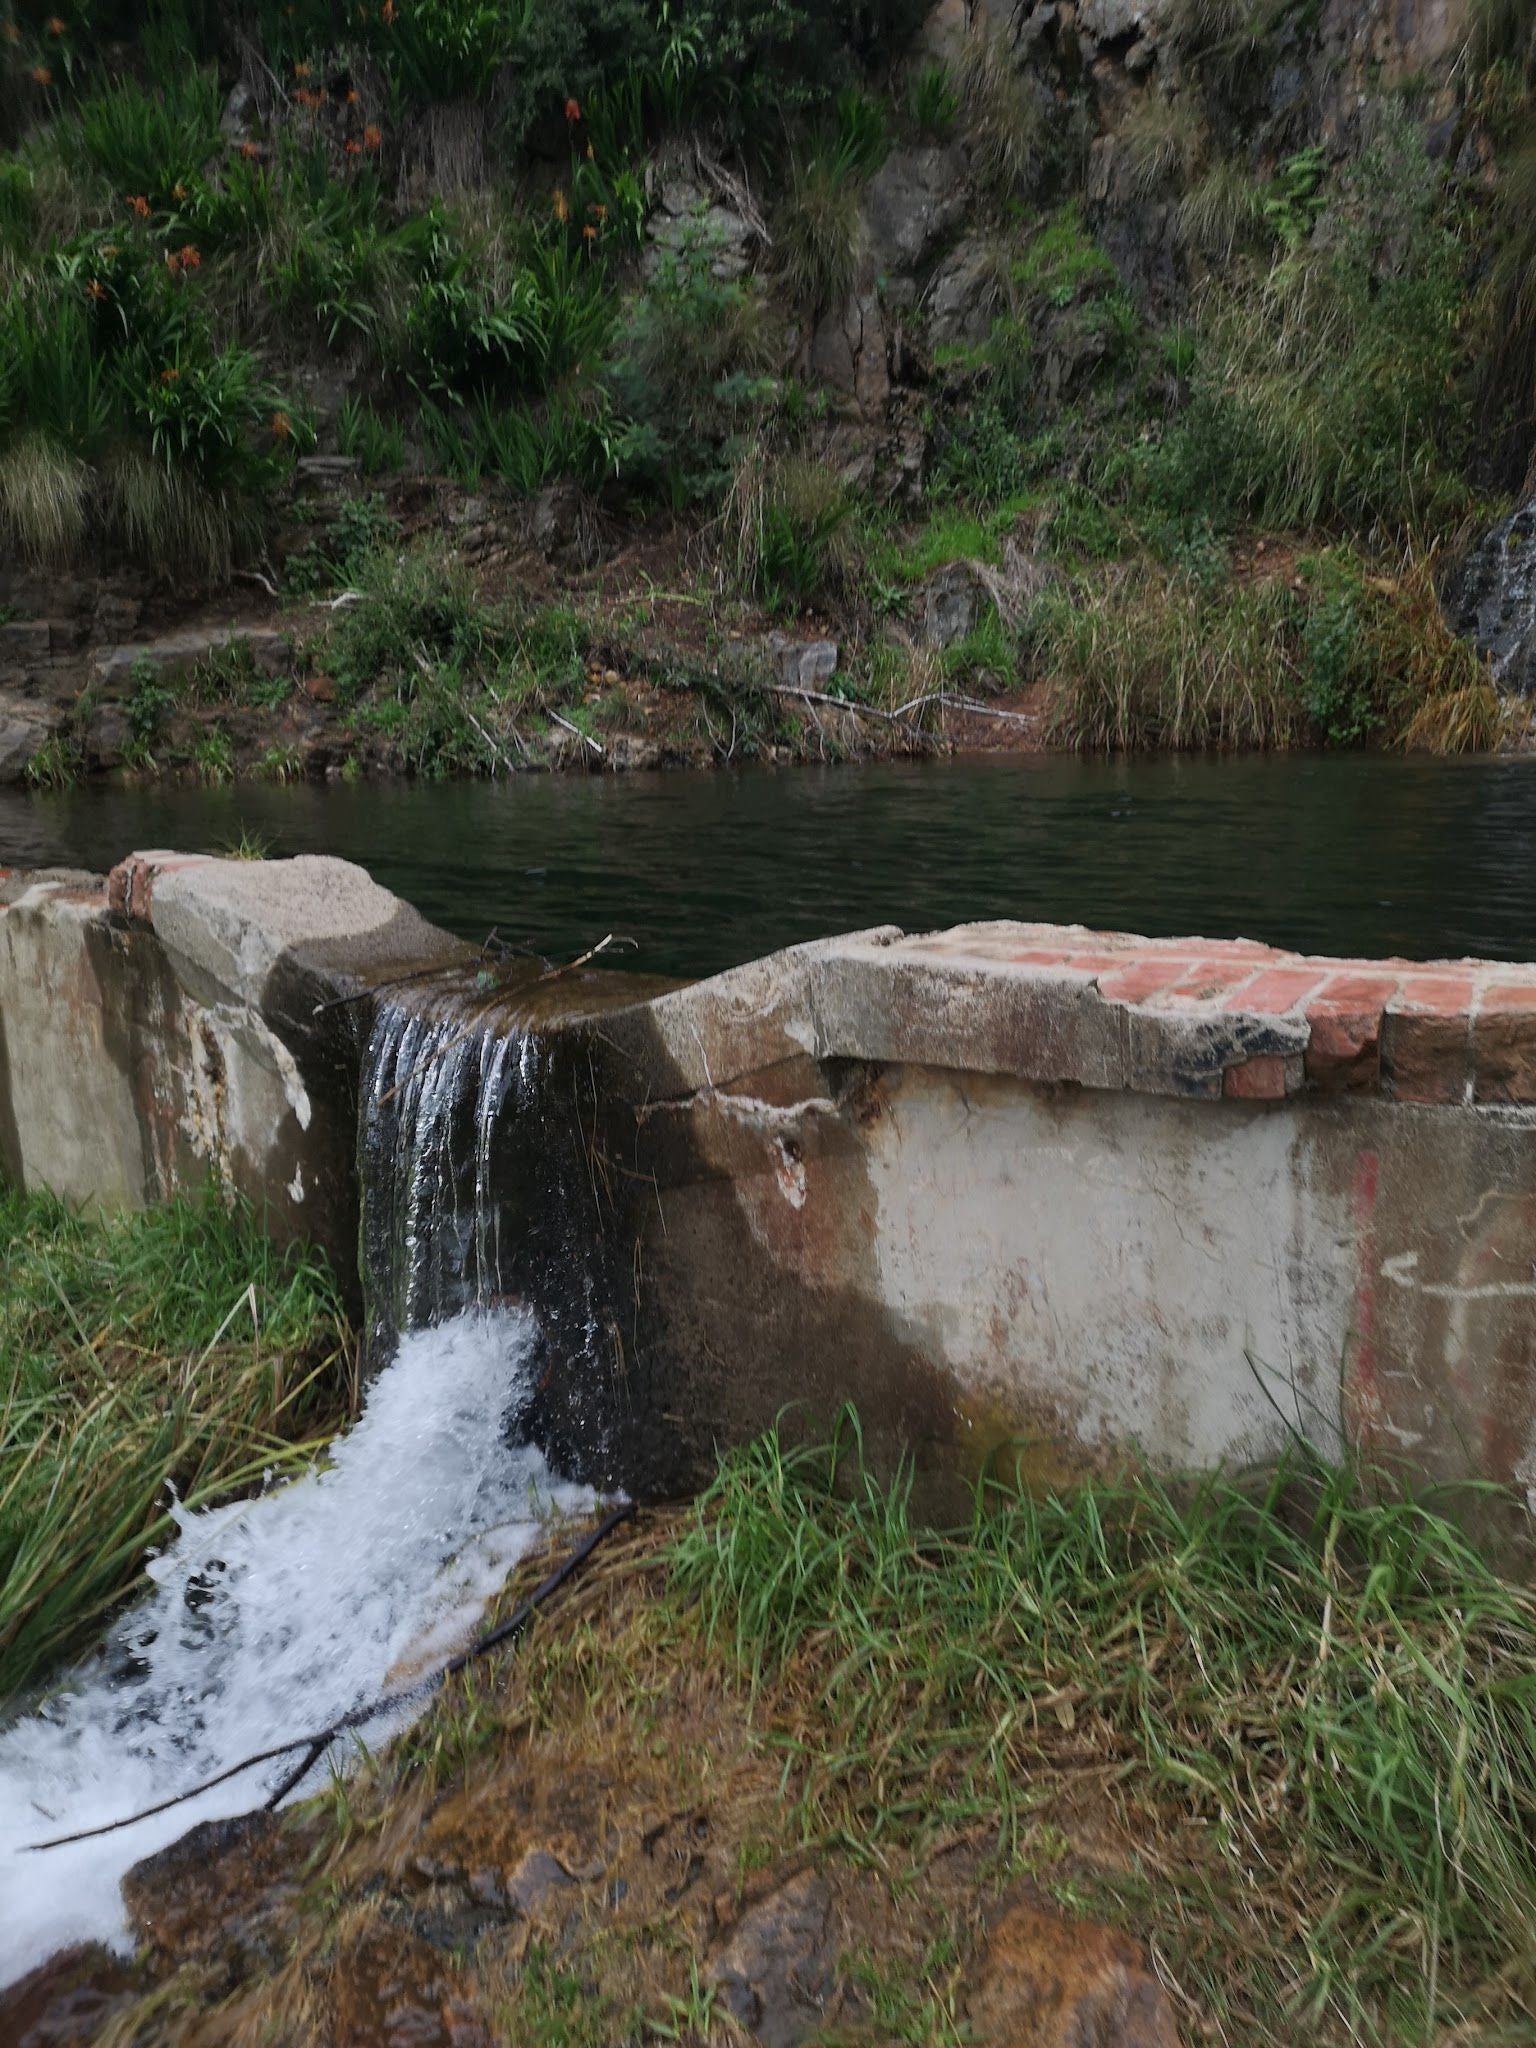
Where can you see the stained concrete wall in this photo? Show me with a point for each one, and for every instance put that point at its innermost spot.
(1086, 1191)
(177, 1022)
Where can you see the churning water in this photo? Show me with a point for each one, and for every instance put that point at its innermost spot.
(273, 1617)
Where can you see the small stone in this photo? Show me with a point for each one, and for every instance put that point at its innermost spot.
(775, 1972)
(802, 664)
(539, 1883)
(1053, 1983)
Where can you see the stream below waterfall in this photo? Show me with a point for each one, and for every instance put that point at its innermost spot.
(272, 1617)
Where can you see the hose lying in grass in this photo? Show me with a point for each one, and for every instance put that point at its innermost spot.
(314, 1746)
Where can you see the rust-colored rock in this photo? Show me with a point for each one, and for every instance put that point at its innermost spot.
(1045, 1982)
(390, 1989)
(65, 2002)
(188, 1898)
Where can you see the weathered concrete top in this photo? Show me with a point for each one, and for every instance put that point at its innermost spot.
(1062, 1004)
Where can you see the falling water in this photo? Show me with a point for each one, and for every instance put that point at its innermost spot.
(274, 1616)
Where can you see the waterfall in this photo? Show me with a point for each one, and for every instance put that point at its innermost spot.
(275, 1615)
(1492, 600)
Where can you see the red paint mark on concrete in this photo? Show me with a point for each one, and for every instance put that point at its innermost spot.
(1362, 1378)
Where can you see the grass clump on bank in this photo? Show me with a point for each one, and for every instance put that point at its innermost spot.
(175, 1348)
(1314, 1707)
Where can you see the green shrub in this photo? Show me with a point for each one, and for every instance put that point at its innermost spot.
(688, 371)
(1330, 389)
(1145, 659)
(933, 101)
(796, 540)
(819, 231)
(1164, 140)
(1221, 211)
(377, 443)
(417, 607)
(146, 144)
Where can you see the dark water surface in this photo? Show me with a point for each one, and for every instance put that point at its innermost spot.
(1346, 854)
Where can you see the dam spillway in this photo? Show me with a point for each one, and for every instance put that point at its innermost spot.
(1185, 1197)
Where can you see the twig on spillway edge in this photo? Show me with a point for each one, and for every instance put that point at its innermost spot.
(314, 1746)
(582, 959)
(493, 946)
(441, 1052)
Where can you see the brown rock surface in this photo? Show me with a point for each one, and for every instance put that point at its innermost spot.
(1045, 1982)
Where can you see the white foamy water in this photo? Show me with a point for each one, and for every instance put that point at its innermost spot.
(272, 1617)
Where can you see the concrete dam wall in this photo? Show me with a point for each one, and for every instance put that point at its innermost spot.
(1008, 1183)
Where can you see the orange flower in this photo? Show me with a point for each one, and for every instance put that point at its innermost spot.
(169, 376)
(191, 257)
(573, 111)
(589, 233)
(282, 426)
(56, 25)
(387, 12)
(561, 204)
(301, 71)
(12, 32)
(599, 212)
(95, 289)
(41, 75)
(352, 148)
(349, 97)
(373, 137)
(138, 204)
(250, 151)
(172, 262)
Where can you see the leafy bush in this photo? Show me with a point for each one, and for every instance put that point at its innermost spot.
(146, 144)
(688, 370)
(448, 49)
(933, 101)
(1329, 389)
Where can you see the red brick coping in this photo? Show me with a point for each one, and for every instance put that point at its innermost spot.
(1271, 1024)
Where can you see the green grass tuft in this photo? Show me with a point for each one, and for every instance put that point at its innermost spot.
(131, 1359)
(1314, 1696)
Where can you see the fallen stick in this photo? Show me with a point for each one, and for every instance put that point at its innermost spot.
(836, 703)
(314, 1746)
(576, 729)
(964, 704)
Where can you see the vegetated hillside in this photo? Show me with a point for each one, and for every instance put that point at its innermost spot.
(1139, 361)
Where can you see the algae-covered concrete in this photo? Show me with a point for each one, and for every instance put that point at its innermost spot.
(1090, 1191)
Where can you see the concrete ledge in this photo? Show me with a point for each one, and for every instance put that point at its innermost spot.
(1061, 1004)
(176, 1022)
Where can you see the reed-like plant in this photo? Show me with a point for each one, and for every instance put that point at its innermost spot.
(177, 1348)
